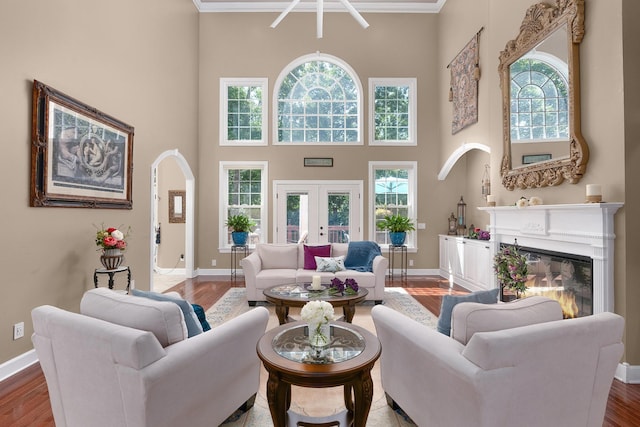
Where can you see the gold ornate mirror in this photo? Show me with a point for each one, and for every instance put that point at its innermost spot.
(540, 81)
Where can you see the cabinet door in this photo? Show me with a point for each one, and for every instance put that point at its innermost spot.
(470, 261)
(485, 266)
(445, 265)
(456, 254)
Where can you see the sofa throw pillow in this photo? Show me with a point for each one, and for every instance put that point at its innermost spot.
(202, 317)
(311, 252)
(190, 319)
(330, 264)
(450, 301)
(278, 256)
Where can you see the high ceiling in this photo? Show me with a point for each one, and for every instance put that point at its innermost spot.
(365, 6)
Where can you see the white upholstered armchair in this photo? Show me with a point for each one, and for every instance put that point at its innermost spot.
(556, 373)
(102, 374)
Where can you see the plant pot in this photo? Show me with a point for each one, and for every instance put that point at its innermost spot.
(239, 237)
(111, 258)
(397, 238)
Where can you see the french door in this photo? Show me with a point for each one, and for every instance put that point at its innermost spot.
(317, 211)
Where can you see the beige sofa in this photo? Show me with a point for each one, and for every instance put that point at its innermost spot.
(138, 368)
(554, 373)
(279, 264)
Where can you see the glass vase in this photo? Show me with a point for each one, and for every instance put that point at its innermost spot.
(319, 339)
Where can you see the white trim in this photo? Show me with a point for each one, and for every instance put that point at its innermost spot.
(17, 364)
(190, 214)
(223, 183)
(332, 6)
(628, 374)
(455, 156)
(308, 58)
(412, 197)
(412, 82)
(225, 82)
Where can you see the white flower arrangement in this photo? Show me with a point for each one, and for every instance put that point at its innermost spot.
(522, 202)
(317, 312)
(535, 201)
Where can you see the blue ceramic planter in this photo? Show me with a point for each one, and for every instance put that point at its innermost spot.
(239, 237)
(397, 238)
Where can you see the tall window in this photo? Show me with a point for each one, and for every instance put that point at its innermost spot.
(393, 107)
(539, 103)
(318, 102)
(243, 111)
(393, 190)
(243, 187)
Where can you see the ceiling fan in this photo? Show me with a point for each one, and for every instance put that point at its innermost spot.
(320, 15)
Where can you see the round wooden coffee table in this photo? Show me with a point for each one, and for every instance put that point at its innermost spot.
(285, 296)
(347, 361)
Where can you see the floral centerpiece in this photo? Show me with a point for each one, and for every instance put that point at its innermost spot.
(318, 314)
(480, 234)
(511, 269)
(111, 238)
(348, 287)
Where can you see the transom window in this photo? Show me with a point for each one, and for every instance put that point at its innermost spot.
(393, 107)
(393, 191)
(243, 187)
(539, 103)
(318, 102)
(243, 111)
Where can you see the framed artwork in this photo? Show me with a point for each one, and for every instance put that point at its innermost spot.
(177, 206)
(527, 159)
(80, 157)
(318, 161)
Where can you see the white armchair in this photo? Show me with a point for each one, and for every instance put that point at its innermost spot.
(101, 373)
(553, 373)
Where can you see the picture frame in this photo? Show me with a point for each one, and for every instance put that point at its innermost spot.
(80, 156)
(318, 162)
(177, 206)
(527, 159)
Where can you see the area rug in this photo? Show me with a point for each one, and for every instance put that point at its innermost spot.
(327, 401)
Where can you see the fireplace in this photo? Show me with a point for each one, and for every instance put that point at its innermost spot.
(567, 278)
(579, 234)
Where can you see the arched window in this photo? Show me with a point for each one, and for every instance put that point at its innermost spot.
(318, 101)
(539, 99)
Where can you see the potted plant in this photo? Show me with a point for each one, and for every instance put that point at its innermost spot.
(240, 225)
(397, 226)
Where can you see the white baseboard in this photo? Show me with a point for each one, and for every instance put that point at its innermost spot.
(629, 374)
(17, 364)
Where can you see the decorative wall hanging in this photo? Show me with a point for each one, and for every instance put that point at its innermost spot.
(80, 157)
(463, 92)
(177, 206)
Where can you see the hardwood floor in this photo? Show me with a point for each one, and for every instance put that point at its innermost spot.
(24, 400)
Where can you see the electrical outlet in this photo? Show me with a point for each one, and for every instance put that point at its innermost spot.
(213, 263)
(410, 263)
(18, 330)
(181, 257)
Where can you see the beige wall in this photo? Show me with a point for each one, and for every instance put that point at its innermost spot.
(162, 77)
(136, 61)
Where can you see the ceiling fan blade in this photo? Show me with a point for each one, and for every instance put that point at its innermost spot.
(356, 15)
(284, 13)
(319, 18)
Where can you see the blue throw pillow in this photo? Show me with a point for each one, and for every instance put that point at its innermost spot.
(202, 317)
(450, 301)
(190, 318)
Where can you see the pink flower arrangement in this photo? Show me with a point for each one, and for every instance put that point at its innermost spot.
(111, 238)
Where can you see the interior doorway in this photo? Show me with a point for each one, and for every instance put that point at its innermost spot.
(317, 211)
(184, 259)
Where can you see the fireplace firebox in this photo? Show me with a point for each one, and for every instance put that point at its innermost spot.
(567, 278)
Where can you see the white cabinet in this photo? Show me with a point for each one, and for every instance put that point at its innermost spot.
(466, 262)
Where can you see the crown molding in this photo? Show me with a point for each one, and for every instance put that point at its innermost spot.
(330, 6)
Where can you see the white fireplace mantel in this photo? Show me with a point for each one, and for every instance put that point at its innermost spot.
(579, 229)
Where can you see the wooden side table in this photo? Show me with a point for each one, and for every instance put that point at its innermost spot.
(284, 352)
(111, 274)
(235, 249)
